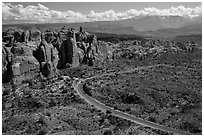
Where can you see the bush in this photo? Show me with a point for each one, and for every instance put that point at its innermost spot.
(108, 112)
(87, 90)
(115, 107)
(152, 119)
(190, 127)
(107, 132)
(128, 109)
(131, 99)
(43, 131)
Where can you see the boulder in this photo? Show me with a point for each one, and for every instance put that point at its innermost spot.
(81, 36)
(32, 45)
(35, 35)
(64, 29)
(18, 37)
(62, 36)
(24, 67)
(10, 32)
(49, 36)
(19, 63)
(9, 39)
(19, 49)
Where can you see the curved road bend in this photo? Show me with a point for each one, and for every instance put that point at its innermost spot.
(79, 88)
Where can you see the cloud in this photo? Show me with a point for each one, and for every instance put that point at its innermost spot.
(42, 14)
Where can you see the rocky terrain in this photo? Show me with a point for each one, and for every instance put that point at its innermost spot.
(39, 67)
(166, 95)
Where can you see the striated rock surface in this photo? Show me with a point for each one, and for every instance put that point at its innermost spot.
(47, 55)
(23, 65)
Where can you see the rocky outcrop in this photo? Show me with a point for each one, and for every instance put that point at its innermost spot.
(52, 49)
(35, 36)
(86, 53)
(87, 46)
(9, 39)
(62, 35)
(4, 60)
(47, 55)
(19, 49)
(6, 63)
(18, 37)
(69, 53)
(49, 36)
(26, 36)
(104, 51)
(23, 65)
(10, 32)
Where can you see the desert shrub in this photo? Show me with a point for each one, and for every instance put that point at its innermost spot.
(128, 109)
(43, 131)
(131, 99)
(152, 119)
(107, 132)
(87, 90)
(115, 107)
(190, 127)
(27, 103)
(108, 112)
(6, 92)
(52, 103)
(65, 91)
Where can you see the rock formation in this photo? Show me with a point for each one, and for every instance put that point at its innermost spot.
(35, 35)
(19, 63)
(9, 39)
(26, 36)
(47, 55)
(49, 36)
(6, 63)
(24, 67)
(18, 36)
(52, 49)
(69, 51)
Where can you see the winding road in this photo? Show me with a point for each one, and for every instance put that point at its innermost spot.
(78, 86)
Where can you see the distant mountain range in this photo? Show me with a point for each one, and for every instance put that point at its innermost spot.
(168, 27)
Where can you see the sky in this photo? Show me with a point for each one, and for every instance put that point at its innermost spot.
(52, 12)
